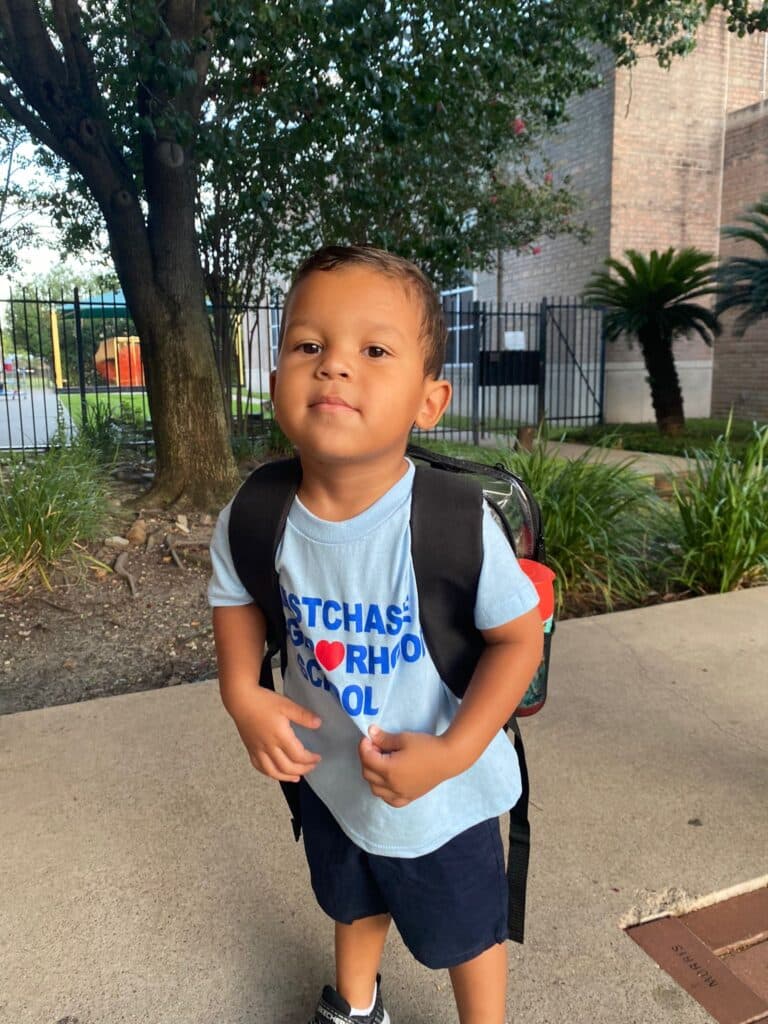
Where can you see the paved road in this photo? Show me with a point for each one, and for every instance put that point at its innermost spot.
(30, 419)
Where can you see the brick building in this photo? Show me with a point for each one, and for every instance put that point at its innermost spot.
(662, 158)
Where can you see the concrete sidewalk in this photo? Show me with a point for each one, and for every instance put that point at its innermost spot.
(661, 470)
(650, 464)
(149, 875)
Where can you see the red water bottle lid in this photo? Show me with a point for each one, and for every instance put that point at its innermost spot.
(542, 578)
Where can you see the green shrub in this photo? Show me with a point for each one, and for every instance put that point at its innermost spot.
(244, 447)
(278, 444)
(49, 506)
(106, 429)
(718, 522)
(598, 526)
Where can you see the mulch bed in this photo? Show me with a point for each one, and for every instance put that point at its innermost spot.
(97, 633)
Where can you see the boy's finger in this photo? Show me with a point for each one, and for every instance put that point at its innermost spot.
(286, 766)
(389, 796)
(296, 750)
(386, 742)
(371, 756)
(374, 777)
(301, 716)
(399, 801)
(268, 767)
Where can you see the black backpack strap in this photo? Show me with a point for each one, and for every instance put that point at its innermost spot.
(519, 847)
(447, 552)
(256, 525)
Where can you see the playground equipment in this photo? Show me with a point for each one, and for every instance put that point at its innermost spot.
(118, 361)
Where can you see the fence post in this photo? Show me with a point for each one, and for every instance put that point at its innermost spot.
(601, 382)
(80, 356)
(542, 402)
(476, 340)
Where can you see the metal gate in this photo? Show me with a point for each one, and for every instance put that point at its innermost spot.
(523, 363)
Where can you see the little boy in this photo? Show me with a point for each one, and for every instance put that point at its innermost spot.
(401, 783)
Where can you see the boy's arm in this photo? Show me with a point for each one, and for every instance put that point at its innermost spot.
(401, 767)
(263, 718)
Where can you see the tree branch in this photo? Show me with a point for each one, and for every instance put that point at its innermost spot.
(9, 172)
(63, 28)
(33, 124)
(67, 20)
(6, 23)
(31, 57)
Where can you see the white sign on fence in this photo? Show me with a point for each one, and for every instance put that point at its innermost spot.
(514, 341)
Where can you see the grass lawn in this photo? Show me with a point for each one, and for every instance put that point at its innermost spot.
(632, 437)
(133, 405)
(123, 404)
(645, 437)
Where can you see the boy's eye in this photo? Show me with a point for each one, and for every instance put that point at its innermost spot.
(376, 351)
(310, 348)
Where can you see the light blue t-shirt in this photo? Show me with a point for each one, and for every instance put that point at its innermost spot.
(356, 657)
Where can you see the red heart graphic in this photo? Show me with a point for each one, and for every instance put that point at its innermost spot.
(330, 655)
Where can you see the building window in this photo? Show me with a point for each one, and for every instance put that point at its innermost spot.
(457, 309)
(274, 327)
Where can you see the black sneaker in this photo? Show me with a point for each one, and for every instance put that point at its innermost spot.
(332, 1009)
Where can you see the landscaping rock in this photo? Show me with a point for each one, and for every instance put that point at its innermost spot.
(117, 542)
(137, 534)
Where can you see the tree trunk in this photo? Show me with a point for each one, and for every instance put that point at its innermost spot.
(194, 466)
(194, 462)
(666, 395)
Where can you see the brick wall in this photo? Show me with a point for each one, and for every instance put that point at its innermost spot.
(582, 150)
(668, 146)
(645, 153)
(747, 70)
(740, 376)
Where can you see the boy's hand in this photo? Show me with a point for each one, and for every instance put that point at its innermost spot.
(400, 767)
(264, 722)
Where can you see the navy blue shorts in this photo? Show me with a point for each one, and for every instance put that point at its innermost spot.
(449, 905)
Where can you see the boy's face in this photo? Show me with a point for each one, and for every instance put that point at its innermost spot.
(350, 380)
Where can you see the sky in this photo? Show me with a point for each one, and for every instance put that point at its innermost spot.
(36, 259)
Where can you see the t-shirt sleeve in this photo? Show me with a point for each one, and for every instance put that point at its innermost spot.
(225, 588)
(504, 592)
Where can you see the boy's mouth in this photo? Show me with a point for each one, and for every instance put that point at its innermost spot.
(324, 401)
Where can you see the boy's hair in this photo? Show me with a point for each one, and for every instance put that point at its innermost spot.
(433, 330)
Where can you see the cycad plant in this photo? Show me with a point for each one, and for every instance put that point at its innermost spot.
(653, 299)
(743, 280)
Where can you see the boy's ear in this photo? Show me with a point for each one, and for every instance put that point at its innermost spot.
(437, 395)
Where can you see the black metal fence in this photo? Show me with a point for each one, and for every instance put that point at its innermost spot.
(72, 364)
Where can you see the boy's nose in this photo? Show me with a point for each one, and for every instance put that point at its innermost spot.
(332, 366)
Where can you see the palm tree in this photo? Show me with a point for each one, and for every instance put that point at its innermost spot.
(652, 299)
(743, 280)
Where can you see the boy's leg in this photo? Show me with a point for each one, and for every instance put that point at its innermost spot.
(358, 955)
(480, 987)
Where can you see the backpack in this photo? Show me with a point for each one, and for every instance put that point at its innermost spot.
(447, 553)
